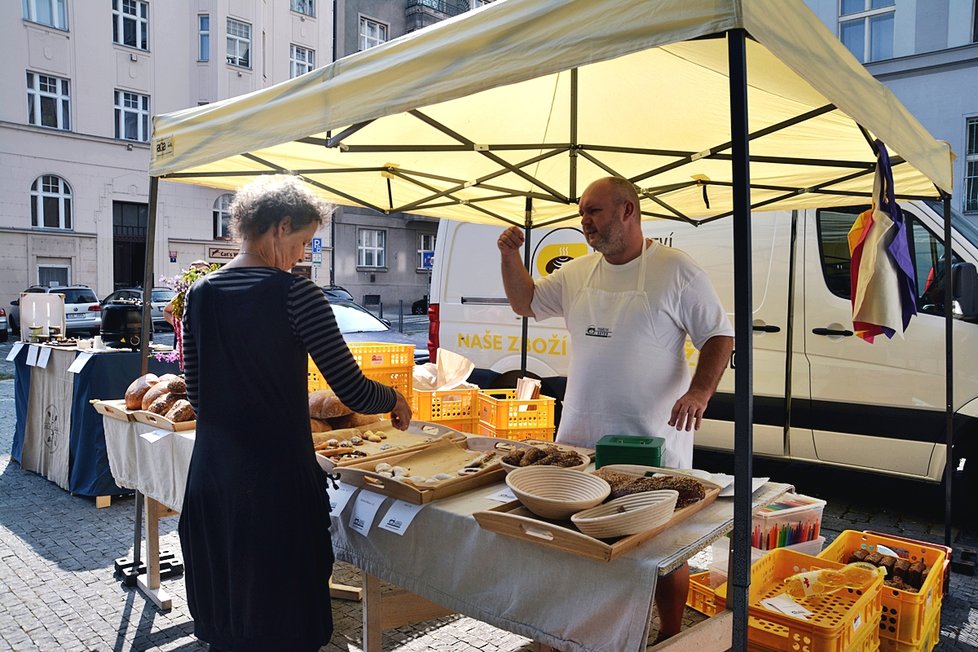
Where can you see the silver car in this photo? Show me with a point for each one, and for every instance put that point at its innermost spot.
(160, 297)
(357, 324)
(83, 314)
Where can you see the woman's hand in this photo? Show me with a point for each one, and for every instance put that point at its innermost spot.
(401, 414)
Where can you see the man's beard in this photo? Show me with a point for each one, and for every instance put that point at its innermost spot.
(610, 243)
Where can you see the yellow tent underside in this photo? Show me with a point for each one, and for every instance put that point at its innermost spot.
(536, 98)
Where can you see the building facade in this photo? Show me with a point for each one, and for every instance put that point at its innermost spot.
(81, 82)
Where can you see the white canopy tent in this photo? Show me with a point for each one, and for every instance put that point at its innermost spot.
(504, 114)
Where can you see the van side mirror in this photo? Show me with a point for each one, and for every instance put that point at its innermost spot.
(964, 287)
(15, 302)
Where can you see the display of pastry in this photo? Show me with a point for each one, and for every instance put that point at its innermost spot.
(622, 484)
(543, 455)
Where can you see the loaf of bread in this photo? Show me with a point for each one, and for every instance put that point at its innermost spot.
(324, 404)
(354, 420)
(138, 389)
(319, 425)
(181, 410)
(168, 383)
(163, 403)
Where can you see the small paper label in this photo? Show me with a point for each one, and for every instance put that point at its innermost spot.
(43, 357)
(857, 622)
(503, 496)
(784, 604)
(32, 355)
(364, 509)
(14, 350)
(338, 498)
(398, 518)
(79, 362)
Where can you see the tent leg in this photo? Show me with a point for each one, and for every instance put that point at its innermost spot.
(148, 273)
(527, 227)
(948, 371)
(744, 406)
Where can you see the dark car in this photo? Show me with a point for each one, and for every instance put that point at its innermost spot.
(82, 310)
(160, 297)
(358, 325)
(337, 292)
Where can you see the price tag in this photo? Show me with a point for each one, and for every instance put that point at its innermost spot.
(505, 495)
(80, 362)
(399, 517)
(15, 349)
(32, 355)
(364, 509)
(338, 498)
(43, 357)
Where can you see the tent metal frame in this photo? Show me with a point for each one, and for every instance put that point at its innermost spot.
(736, 150)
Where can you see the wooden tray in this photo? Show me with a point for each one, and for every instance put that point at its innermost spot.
(441, 455)
(114, 409)
(514, 520)
(159, 421)
(419, 435)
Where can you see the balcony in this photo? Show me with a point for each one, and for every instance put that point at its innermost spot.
(421, 13)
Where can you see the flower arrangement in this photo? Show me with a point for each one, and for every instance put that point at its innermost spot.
(180, 284)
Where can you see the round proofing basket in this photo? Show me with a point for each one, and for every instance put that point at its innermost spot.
(554, 492)
(628, 514)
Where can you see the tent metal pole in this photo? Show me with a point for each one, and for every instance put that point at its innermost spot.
(948, 370)
(744, 404)
(789, 331)
(527, 227)
(572, 182)
(148, 273)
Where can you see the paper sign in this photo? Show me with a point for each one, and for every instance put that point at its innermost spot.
(14, 351)
(364, 509)
(784, 604)
(503, 496)
(398, 518)
(338, 498)
(32, 355)
(79, 362)
(43, 357)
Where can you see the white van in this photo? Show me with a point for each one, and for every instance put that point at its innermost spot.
(877, 407)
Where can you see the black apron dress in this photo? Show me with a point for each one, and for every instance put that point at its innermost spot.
(254, 527)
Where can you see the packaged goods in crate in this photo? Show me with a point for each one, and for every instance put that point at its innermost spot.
(502, 410)
(792, 519)
(915, 576)
(446, 405)
(843, 619)
(389, 364)
(721, 555)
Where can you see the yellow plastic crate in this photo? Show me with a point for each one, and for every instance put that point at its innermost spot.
(468, 426)
(932, 636)
(388, 364)
(838, 622)
(446, 405)
(906, 614)
(702, 597)
(500, 409)
(517, 434)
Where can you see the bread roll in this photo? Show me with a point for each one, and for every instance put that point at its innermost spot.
(138, 388)
(324, 404)
(168, 384)
(181, 410)
(319, 425)
(162, 404)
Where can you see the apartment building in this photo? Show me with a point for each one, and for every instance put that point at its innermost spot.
(81, 80)
(926, 52)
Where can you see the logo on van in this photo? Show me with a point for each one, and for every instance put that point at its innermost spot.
(553, 256)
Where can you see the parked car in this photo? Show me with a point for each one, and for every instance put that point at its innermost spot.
(357, 324)
(161, 296)
(83, 314)
(337, 292)
(3, 325)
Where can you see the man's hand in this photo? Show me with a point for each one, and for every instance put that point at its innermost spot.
(511, 241)
(687, 413)
(401, 414)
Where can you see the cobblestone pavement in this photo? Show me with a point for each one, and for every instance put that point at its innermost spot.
(57, 591)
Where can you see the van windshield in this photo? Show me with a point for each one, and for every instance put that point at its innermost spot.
(961, 224)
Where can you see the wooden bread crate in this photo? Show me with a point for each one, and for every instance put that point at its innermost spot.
(114, 409)
(160, 421)
(419, 435)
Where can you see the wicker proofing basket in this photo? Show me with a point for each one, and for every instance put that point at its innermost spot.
(556, 493)
(627, 515)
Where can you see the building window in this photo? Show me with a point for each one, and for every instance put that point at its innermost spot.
(203, 37)
(48, 101)
(971, 167)
(866, 28)
(51, 202)
(371, 33)
(52, 13)
(371, 248)
(131, 116)
(307, 7)
(426, 250)
(222, 217)
(239, 43)
(302, 60)
(130, 23)
(54, 276)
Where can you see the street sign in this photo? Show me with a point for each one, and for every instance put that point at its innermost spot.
(317, 246)
(317, 258)
(427, 258)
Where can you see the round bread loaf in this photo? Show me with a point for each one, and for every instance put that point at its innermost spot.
(178, 386)
(324, 404)
(166, 385)
(319, 425)
(181, 410)
(163, 403)
(354, 420)
(137, 389)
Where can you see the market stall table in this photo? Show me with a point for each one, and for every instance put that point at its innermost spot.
(57, 432)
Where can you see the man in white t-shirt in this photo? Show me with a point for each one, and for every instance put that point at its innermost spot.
(629, 308)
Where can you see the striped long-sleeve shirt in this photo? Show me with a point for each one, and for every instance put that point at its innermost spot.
(314, 325)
